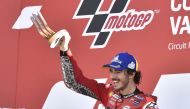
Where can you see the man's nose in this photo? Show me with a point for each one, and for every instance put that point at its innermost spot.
(113, 75)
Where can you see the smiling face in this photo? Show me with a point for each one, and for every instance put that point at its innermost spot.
(120, 79)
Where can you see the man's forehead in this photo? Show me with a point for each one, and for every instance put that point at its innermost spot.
(113, 70)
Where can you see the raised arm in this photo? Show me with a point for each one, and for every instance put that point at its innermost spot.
(72, 74)
(74, 78)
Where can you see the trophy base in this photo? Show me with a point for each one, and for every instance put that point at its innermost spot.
(55, 39)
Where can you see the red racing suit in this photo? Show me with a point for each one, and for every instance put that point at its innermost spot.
(110, 98)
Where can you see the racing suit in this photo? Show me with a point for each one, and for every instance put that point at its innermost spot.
(110, 98)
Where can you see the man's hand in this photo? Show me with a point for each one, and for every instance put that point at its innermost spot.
(64, 43)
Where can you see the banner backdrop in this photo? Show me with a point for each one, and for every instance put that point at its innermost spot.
(155, 32)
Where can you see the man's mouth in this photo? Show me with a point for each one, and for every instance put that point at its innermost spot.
(115, 81)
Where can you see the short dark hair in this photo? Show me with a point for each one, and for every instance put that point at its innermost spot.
(137, 77)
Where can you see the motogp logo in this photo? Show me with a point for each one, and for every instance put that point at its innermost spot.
(103, 23)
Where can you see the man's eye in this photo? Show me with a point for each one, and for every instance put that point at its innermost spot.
(111, 71)
(117, 71)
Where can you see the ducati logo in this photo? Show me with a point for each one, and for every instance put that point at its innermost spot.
(126, 107)
(116, 18)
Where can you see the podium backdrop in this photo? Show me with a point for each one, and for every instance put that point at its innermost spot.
(156, 32)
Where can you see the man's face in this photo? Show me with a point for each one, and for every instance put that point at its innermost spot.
(120, 79)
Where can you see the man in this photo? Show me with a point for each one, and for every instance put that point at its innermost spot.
(121, 94)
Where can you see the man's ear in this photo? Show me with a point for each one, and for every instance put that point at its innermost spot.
(132, 75)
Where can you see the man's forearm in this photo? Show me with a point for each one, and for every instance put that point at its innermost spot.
(70, 76)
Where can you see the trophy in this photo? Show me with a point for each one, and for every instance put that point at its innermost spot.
(54, 38)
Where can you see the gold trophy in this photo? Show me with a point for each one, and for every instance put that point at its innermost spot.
(54, 38)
